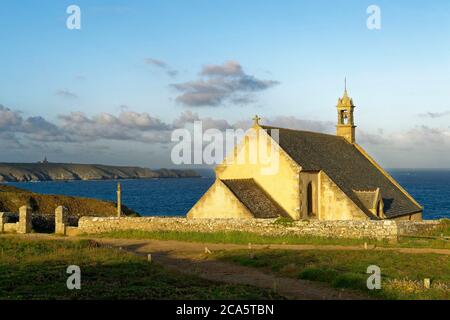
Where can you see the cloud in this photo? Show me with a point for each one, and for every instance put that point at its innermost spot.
(434, 115)
(64, 93)
(40, 129)
(156, 62)
(9, 119)
(78, 127)
(229, 68)
(34, 128)
(424, 137)
(368, 138)
(128, 125)
(189, 117)
(162, 65)
(219, 84)
(420, 145)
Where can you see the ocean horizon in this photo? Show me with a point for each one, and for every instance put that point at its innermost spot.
(175, 196)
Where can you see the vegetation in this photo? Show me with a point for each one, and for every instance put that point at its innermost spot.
(442, 230)
(402, 274)
(11, 199)
(37, 270)
(235, 237)
(238, 237)
(284, 221)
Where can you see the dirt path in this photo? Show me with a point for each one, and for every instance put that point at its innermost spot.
(190, 258)
(198, 246)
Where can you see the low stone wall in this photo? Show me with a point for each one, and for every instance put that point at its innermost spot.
(416, 227)
(386, 229)
(11, 227)
(9, 222)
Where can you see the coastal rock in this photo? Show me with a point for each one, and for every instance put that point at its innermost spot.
(22, 172)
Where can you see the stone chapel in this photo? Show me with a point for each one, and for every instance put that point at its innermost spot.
(319, 176)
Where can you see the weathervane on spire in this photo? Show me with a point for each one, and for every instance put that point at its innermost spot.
(345, 85)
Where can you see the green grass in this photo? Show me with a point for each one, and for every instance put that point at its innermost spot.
(284, 221)
(37, 270)
(402, 273)
(442, 230)
(238, 237)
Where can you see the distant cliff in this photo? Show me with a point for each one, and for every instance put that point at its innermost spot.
(15, 172)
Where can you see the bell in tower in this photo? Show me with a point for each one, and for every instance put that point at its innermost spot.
(346, 125)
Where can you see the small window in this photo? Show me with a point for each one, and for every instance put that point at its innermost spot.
(309, 196)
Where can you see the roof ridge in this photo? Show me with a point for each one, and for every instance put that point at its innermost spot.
(296, 130)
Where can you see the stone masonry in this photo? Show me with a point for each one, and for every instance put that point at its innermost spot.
(370, 229)
(4, 217)
(61, 216)
(25, 216)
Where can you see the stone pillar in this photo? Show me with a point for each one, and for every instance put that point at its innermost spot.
(119, 200)
(3, 220)
(60, 220)
(25, 225)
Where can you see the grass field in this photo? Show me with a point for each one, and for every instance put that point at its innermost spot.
(236, 237)
(37, 270)
(402, 273)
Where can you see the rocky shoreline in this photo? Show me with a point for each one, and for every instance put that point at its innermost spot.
(26, 172)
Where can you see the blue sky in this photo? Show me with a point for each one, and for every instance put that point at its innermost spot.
(297, 53)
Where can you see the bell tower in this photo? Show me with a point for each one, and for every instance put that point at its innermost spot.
(346, 125)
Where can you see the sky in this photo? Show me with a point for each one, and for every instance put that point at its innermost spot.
(113, 91)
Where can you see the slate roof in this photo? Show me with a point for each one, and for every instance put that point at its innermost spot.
(254, 198)
(346, 166)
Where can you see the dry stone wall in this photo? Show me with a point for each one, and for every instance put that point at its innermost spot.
(415, 227)
(386, 229)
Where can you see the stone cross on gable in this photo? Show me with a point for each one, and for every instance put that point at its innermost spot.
(256, 120)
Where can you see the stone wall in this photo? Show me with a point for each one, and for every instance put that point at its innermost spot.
(61, 221)
(217, 202)
(10, 227)
(8, 224)
(12, 223)
(8, 221)
(385, 229)
(415, 227)
(335, 204)
(279, 177)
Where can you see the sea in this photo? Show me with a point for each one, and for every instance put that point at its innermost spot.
(174, 197)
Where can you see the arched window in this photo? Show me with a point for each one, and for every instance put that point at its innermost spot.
(344, 117)
(309, 199)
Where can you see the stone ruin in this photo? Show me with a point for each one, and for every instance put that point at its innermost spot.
(23, 222)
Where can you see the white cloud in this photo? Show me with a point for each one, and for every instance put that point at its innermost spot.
(219, 84)
(128, 125)
(65, 93)
(188, 117)
(435, 115)
(162, 65)
(420, 146)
